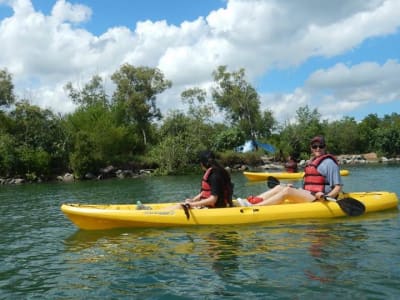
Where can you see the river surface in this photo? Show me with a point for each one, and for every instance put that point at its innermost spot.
(44, 256)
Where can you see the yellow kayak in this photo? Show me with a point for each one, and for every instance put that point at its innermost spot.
(262, 176)
(108, 216)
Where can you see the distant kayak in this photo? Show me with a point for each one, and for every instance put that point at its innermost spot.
(262, 176)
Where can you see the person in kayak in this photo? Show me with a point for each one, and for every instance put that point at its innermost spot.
(322, 178)
(216, 186)
(291, 165)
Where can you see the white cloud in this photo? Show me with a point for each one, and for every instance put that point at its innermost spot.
(66, 12)
(340, 89)
(44, 52)
(365, 82)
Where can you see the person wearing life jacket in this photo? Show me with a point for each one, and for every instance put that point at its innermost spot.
(322, 178)
(216, 186)
(314, 181)
(291, 165)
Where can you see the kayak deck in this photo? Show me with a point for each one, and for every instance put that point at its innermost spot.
(108, 216)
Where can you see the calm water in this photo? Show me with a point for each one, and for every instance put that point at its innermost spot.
(43, 256)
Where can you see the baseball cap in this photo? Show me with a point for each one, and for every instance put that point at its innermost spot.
(318, 139)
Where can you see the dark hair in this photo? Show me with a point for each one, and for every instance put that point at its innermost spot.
(207, 158)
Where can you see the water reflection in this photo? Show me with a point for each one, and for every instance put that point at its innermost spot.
(245, 259)
(223, 249)
(333, 249)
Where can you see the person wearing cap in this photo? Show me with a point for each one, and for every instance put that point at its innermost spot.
(216, 186)
(321, 178)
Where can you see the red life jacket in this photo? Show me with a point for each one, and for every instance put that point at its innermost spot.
(313, 180)
(291, 166)
(206, 191)
(205, 186)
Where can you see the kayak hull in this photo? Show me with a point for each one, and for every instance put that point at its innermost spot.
(262, 176)
(109, 216)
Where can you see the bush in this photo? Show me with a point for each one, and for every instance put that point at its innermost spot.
(231, 158)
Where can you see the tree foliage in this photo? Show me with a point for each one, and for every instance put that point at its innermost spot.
(128, 127)
(35, 141)
(108, 141)
(196, 99)
(240, 101)
(182, 137)
(92, 93)
(135, 95)
(7, 96)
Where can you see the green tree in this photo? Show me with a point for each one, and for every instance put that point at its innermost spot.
(83, 157)
(40, 139)
(367, 129)
(33, 162)
(181, 139)
(8, 155)
(107, 142)
(240, 101)
(267, 124)
(388, 135)
(7, 96)
(344, 136)
(295, 137)
(227, 138)
(172, 155)
(35, 126)
(199, 109)
(93, 92)
(135, 96)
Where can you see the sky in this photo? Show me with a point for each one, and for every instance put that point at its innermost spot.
(340, 57)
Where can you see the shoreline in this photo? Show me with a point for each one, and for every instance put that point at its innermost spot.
(111, 172)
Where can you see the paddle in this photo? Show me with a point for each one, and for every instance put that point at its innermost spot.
(186, 207)
(352, 207)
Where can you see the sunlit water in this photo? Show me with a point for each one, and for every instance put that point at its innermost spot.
(44, 256)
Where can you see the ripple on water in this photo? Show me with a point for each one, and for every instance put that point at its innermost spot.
(44, 256)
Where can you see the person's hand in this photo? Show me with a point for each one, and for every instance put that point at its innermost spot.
(188, 200)
(319, 195)
(188, 204)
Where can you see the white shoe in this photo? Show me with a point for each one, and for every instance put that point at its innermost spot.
(243, 202)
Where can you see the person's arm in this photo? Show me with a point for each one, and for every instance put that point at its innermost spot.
(335, 191)
(216, 189)
(195, 198)
(332, 173)
(210, 201)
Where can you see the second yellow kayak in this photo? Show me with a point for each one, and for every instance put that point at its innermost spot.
(262, 176)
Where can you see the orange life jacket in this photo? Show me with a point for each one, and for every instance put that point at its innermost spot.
(313, 180)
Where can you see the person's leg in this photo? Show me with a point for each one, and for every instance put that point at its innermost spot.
(289, 193)
(275, 196)
(173, 207)
(277, 189)
(299, 195)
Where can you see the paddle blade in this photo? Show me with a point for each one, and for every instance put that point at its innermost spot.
(272, 182)
(351, 206)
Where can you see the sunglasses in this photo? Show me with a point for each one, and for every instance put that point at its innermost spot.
(315, 146)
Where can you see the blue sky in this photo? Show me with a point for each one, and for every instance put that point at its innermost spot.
(108, 14)
(341, 57)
